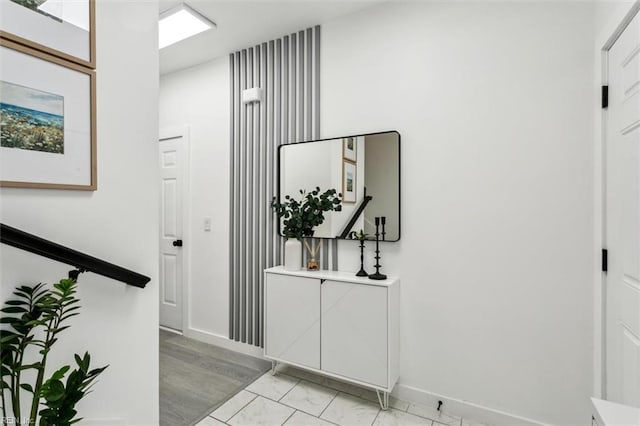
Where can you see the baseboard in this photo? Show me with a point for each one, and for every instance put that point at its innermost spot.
(223, 342)
(458, 407)
(170, 330)
(401, 391)
(104, 422)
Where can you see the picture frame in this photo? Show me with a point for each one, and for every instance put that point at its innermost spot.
(65, 29)
(349, 149)
(349, 182)
(48, 110)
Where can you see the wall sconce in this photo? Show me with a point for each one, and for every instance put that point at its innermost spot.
(252, 95)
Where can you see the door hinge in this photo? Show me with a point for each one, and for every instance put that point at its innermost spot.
(605, 97)
(605, 260)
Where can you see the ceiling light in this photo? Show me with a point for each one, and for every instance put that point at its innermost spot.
(179, 23)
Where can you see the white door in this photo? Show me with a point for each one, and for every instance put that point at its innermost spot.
(171, 231)
(292, 319)
(623, 219)
(354, 331)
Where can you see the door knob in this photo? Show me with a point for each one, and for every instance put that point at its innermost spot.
(177, 243)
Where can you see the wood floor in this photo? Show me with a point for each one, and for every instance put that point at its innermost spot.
(196, 378)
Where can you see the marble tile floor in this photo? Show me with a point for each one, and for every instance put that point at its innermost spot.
(295, 397)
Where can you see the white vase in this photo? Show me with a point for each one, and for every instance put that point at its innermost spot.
(292, 255)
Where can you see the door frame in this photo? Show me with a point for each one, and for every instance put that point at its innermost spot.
(604, 42)
(182, 132)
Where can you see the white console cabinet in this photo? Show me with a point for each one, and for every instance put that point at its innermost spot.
(335, 324)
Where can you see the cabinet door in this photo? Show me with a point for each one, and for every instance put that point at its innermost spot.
(354, 331)
(292, 319)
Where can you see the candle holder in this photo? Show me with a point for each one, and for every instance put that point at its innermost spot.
(360, 236)
(383, 222)
(362, 272)
(377, 275)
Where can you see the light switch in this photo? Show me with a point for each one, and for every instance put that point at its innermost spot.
(207, 223)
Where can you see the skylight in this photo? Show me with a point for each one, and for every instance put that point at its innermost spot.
(179, 23)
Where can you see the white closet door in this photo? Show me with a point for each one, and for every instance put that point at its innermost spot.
(623, 219)
(354, 331)
(173, 169)
(292, 319)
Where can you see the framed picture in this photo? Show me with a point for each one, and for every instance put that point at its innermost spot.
(349, 190)
(349, 148)
(48, 121)
(62, 28)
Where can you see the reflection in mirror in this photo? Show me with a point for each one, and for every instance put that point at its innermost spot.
(364, 168)
(73, 12)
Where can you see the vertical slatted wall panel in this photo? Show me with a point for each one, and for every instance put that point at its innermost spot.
(287, 71)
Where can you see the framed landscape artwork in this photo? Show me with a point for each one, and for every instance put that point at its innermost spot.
(62, 28)
(349, 148)
(47, 115)
(348, 182)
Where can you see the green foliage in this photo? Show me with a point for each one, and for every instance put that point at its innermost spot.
(26, 314)
(300, 217)
(60, 399)
(360, 235)
(42, 312)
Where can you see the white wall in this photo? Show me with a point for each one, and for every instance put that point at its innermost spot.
(198, 97)
(118, 324)
(494, 104)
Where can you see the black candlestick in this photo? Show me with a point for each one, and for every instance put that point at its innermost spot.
(383, 221)
(362, 272)
(377, 275)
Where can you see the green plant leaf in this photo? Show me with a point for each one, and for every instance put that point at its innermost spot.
(54, 390)
(16, 302)
(14, 310)
(59, 329)
(8, 339)
(59, 374)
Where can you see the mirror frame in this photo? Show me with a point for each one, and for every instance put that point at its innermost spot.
(342, 137)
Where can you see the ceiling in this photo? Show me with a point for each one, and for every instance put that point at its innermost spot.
(244, 24)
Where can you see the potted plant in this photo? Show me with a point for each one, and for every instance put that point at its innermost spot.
(35, 319)
(299, 217)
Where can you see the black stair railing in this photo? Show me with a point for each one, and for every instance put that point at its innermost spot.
(355, 216)
(81, 261)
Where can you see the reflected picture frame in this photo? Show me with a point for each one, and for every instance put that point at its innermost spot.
(66, 35)
(349, 182)
(48, 109)
(349, 149)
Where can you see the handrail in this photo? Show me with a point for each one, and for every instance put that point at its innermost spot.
(355, 216)
(83, 262)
